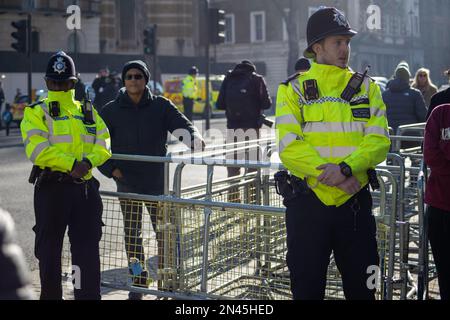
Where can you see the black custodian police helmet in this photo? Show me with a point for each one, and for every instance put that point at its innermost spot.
(193, 70)
(326, 22)
(60, 68)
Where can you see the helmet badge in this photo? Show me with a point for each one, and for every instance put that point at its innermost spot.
(340, 19)
(59, 65)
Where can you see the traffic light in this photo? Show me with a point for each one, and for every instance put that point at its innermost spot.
(216, 26)
(20, 35)
(150, 40)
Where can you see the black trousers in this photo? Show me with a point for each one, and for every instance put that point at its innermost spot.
(78, 207)
(132, 221)
(439, 236)
(314, 231)
(188, 105)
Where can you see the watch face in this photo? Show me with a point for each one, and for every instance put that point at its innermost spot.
(346, 170)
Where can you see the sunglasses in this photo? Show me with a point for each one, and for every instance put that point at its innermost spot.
(134, 76)
(422, 75)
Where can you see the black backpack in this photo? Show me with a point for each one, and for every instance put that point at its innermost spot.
(242, 99)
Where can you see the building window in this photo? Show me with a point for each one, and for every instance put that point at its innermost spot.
(127, 20)
(229, 28)
(258, 26)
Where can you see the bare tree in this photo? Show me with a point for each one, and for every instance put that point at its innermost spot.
(290, 18)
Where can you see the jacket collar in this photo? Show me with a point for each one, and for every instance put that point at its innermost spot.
(125, 101)
(66, 99)
(326, 70)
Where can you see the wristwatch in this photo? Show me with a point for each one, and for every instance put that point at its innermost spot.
(345, 169)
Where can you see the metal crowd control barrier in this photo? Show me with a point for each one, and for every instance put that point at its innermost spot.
(207, 247)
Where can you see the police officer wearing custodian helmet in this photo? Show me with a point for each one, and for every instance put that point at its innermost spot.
(64, 140)
(332, 132)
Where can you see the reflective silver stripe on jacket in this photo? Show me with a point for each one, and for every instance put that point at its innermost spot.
(38, 149)
(101, 142)
(336, 127)
(88, 138)
(35, 132)
(377, 112)
(286, 119)
(376, 130)
(60, 139)
(287, 140)
(335, 152)
(102, 132)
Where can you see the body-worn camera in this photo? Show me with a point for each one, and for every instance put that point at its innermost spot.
(55, 110)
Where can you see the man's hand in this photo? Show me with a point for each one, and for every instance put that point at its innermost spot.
(117, 174)
(350, 185)
(198, 145)
(331, 175)
(80, 169)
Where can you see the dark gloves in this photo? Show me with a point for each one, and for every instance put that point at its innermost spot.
(80, 169)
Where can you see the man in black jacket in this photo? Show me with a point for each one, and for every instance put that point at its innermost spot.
(138, 122)
(243, 95)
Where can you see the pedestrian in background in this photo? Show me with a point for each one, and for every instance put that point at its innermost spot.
(243, 95)
(423, 83)
(436, 154)
(105, 89)
(405, 105)
(139, 123)
(2, 100)
(442, 97)
(190, 92)
(14, 275)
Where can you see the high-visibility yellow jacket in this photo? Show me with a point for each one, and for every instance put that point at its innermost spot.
(330, 129)
(190, 87)
(57, 142)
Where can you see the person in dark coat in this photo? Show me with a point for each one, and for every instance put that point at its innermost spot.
(243, 95)
(442, 97)
(14, 279)
(139, 122)
(105, 89)
(405, 105)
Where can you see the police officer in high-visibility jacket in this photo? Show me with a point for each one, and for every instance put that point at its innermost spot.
(331, 131)
(65, 140)
(190, 91)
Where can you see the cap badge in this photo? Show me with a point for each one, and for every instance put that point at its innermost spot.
(59, 65)
(340, 19)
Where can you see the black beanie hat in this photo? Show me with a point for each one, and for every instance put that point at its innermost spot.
(136, 64)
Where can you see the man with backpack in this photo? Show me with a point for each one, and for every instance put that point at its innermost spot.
(243, 95)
